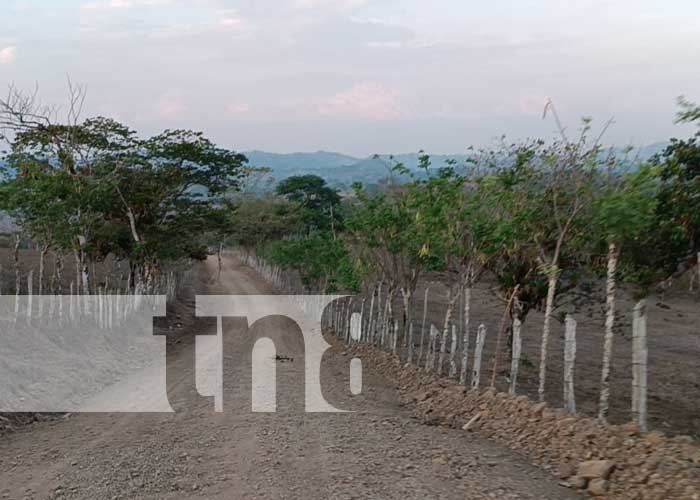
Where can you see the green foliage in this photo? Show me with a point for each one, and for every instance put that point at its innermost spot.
(254, 221)
(318, 201)
(323, 262)
(96, 186)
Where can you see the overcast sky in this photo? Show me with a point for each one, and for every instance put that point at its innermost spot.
(362, 76)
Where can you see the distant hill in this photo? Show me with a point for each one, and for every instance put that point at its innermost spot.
(299, 161)
(341, 171)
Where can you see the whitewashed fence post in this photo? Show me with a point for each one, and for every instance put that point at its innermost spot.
(30, 298)
(569, 363)
(465, 335)
(478, 351)
(422, 329)
(432, 344)
(639, 365)
(517, 351)
(453, 352)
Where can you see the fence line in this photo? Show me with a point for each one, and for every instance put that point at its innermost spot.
(379, 328)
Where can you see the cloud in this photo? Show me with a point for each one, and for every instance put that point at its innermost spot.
(237, 109)
(125, 4)
(170, 106)
(369, 101)
(337, 5)
(232, 20)
(8, 54)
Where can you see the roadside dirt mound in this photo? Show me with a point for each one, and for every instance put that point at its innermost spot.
(610, 461)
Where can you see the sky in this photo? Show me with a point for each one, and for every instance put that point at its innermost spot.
(362, 76)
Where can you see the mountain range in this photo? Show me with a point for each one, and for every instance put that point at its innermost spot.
(341, 171)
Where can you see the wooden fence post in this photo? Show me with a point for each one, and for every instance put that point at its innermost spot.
(569, 363)
(517, 350)
(639, 365)
(346, 324)
(478, 351)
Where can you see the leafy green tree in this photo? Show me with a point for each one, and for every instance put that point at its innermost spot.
(256, 221)
(323, 262)
(96, 187)
(319, 202)
(623, 213)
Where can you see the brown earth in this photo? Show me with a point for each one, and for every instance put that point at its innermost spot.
(674, 351)
(379, 451)
(114, 271)
(615, 462)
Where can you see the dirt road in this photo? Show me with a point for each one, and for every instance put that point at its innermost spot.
(379, 451)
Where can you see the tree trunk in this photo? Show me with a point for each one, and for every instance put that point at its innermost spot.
(639, 366)
(370, 318)
(549, 308)
(465, 335)
(389, 320)
(361, 332)
(515, 359)
(59, 273)
(54, 274)
(408, 326)
(18, 277)
(218, 257)
(85, 275)
(451, 298)
(78, 270)
(611, 285)
(501, 333)
(569, 363)
(376, 334)
(42, 260)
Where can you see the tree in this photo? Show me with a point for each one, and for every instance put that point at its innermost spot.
(323, 262)
(623, 214)
(100, 189)
(562, 190)
(386, 229)
(319, 202)
(254, 221)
